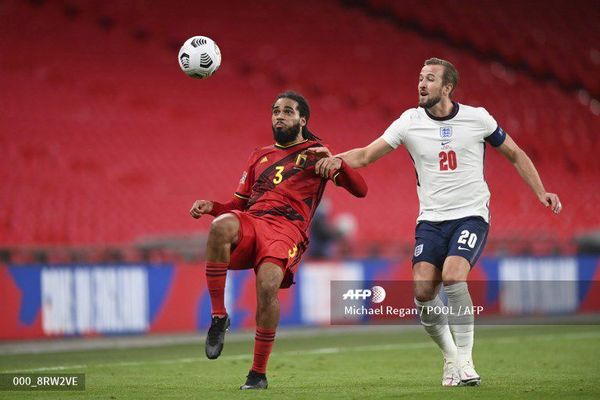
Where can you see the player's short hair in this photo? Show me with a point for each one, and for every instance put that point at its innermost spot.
(303, 110)
(450, 72)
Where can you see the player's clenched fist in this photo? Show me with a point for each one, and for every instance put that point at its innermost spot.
(201, 207)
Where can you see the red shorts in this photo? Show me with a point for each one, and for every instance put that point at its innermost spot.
(265, 239)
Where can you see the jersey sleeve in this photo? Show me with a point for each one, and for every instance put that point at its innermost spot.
(395, 134)
(494, 134)
(350, 180)
(244, 188)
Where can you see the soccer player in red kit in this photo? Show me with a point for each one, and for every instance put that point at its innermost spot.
(264, 226)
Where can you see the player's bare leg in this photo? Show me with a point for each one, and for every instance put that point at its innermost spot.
(223, 234)
(455, 272)
(426, 281)
(268, 280)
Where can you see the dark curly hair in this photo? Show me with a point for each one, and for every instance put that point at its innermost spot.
(303, 110)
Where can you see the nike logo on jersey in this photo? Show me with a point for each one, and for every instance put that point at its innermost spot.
(463, 248)
(264, 160)
(446, 142)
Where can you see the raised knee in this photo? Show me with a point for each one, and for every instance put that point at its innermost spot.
(223, 229)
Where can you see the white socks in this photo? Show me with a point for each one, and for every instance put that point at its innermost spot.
(461, 319)
(453, 333)
(436, 325)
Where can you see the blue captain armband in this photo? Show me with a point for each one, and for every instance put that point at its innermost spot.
(497, 137)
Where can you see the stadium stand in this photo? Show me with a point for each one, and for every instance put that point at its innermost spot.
(105, 141)
(552, 39)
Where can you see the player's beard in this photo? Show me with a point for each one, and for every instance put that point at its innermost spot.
(286, 135)
(431, 101)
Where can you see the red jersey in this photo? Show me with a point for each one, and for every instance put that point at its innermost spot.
(280, 182)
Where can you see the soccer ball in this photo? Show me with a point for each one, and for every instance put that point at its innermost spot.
(199, 57)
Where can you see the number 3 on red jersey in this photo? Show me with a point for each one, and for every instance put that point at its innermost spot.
(447, 160)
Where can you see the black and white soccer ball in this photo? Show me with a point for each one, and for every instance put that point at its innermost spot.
(199, 57)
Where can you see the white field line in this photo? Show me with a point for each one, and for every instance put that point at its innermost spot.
(323, 350)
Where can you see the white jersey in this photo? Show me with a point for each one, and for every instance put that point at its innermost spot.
(448, 154)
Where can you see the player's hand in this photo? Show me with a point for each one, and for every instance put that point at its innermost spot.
(319, 152)
(201, 207)
(551, 200)
(326, 167)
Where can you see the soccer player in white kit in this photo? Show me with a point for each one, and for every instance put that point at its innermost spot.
(446, 141)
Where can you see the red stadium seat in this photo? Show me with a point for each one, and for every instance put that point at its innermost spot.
(106, 140)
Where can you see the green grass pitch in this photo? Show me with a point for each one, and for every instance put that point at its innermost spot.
(544, 362)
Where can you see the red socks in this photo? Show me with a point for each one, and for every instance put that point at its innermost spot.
(215, 279)
(263, 343)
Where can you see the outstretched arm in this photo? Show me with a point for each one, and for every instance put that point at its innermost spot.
(214, 208)
(355, 158)
(350, 180)
(361, 157)
(526, 169)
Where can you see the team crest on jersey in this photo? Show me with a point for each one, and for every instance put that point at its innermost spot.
(301, 160)
(446, 132)
(418, 250)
